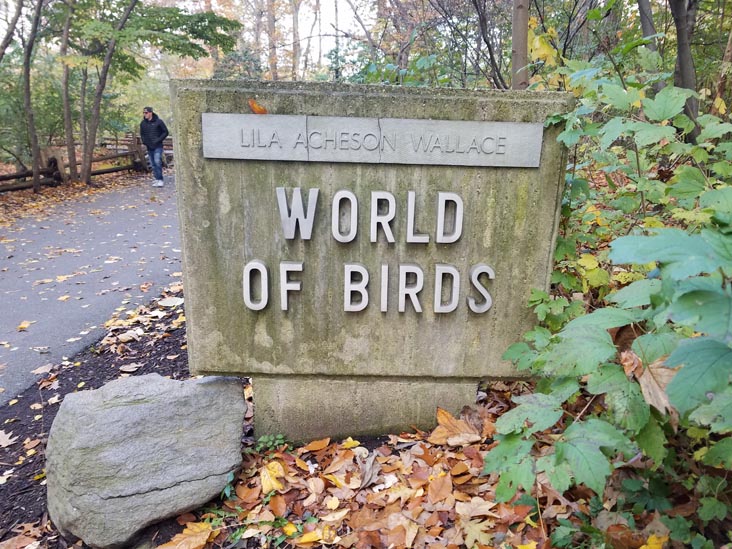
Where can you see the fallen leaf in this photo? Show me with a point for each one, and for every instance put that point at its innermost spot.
(23, 326)
(43, 369)
(270, 475)
(6, 439)
(171, 302)
(256, 107)
(655, 542)
(64, 298)
(314, 446)
(350, 443)
(185, 519)
(278, 505)
(18, 542)
(194, 536)
(452, 431)
(440, 488)
(5, 476)
(130, 368)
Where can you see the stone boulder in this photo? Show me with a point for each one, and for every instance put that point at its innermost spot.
(139, 450)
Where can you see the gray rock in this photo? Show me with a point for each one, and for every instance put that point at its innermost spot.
(140, 450)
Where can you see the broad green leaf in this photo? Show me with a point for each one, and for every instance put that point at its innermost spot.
(651, 134)
(712, 508)
(651, 347)
(559, 474)
(638, 294)
(721, 244)
(570, 136)
(520, 475)
(717, 414)
(723, 168)
(707, 364)
(687, 185)
(668, 103)
(511, 449)
(535, 412)
(719, 200)
(652, 440)
(611, 131)
(720, 455)
(618, 97)
(708, 312)
(580, 447)
(608, 378)
(714, 130)
(604, 319)
(579, 352)
(628, 407)
(684, 255)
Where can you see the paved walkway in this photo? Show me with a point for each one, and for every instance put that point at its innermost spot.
(64, 276)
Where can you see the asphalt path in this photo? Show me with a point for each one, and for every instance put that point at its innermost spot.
(62, 277)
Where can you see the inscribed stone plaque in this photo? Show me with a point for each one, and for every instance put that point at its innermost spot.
(393, 278)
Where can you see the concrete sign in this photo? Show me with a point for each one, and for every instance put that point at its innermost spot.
(352, 251)
(371, 140)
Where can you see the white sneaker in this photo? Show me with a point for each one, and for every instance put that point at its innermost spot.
(158, 183)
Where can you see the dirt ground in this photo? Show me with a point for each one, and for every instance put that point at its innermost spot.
(160, 349)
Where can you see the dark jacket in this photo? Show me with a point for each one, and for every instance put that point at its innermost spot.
(153, 132)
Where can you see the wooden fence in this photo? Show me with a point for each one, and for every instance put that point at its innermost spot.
(54, 171)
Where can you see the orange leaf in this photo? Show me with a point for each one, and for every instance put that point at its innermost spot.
(278, 506)
(314, 446)
(246, 494)
(194, 536)
(256, 107)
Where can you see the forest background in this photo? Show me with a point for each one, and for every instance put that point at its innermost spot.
(632, 408)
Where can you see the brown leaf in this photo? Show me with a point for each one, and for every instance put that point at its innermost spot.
(452, 431)
(247, 494)
(440, 488)
(185, 519)
(278, 505)
(18, 542)
(653, 381)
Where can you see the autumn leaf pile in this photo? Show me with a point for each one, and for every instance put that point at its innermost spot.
(418, 490)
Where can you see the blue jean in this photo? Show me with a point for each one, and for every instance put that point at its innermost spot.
(156, 161)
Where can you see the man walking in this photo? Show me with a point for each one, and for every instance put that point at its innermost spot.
(153, 132)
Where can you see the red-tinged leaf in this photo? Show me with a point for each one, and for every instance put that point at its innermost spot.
(256, 107)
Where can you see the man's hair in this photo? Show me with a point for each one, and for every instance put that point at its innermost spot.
(147, 109)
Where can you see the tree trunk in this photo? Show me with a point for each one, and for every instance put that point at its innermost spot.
(11, 29)
(83, 124)
(685, 74)
(296, 48)
(68, 120)
(98, 94)
(27, 103)
(520, 45)
(647, 25)
(724, 72)
(272, 40)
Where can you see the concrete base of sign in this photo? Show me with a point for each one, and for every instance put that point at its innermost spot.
(306, 408)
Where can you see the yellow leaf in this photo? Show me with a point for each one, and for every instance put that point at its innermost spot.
(269, 475)
(530, 545)
(588, 261)
(289, 529)
(350, 443)
(652, 222)
(655, 542)
(332, 503)
(310, 537)
(720, 105)
(23, 326)
(314, 446)
(194, 536)
(64, 298)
